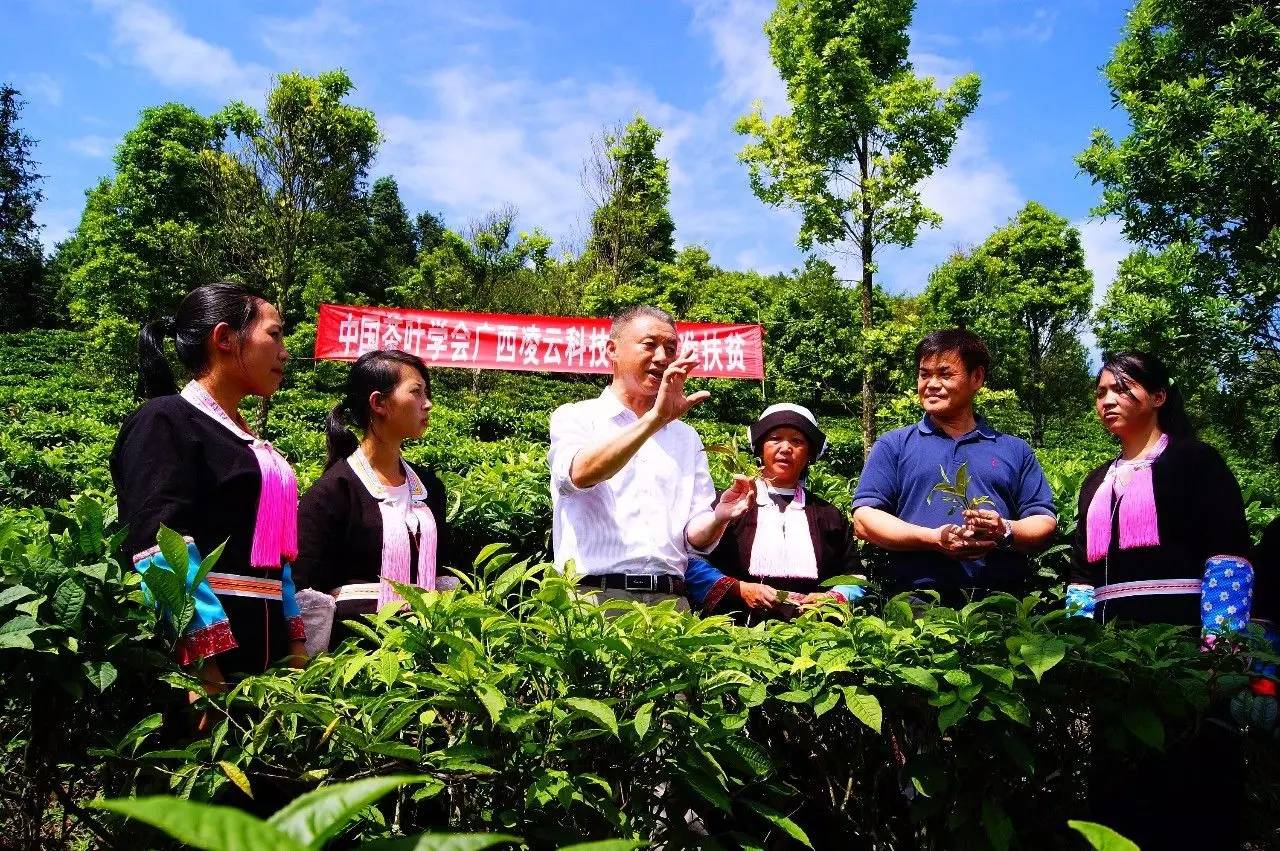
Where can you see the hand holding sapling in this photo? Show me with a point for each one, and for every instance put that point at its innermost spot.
(957, 492)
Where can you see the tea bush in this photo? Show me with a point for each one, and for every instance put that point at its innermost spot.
(541, 715)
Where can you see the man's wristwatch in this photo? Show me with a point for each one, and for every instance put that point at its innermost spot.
(1006, 540)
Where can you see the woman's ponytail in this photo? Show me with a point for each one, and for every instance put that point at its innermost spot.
(373, 372)
(155, 378)
(340, 441)
(202, 310)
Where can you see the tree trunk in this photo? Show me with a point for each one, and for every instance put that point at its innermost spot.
(1035, 364)
(865, 288)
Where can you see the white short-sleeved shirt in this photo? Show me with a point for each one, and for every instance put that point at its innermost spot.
(636, 521)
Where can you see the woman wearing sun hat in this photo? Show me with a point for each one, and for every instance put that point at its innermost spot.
(788, 539)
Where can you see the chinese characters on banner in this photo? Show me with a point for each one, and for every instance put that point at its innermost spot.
(532, 343)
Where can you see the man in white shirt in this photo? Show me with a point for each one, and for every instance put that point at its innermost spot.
(631, 495)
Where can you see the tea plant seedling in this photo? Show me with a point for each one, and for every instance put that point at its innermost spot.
(957, 492)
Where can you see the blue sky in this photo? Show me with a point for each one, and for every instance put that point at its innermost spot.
(483, 104)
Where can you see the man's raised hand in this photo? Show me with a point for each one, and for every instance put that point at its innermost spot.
(671, 403)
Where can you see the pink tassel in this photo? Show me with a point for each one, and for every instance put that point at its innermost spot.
(1138, 522)
(427, 549)
(275, 531)
(396, 555)
(1098, 530)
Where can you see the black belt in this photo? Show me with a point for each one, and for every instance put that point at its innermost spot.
(643, 582)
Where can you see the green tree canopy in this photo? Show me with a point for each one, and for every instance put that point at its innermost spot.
(290, 187)
(148, 234)
(1027, 292)
(631, 229)
(21, 255)
(1197, 174)
(863, 132)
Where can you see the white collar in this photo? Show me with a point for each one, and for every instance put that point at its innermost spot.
(200, 398)
(382, 493)
(763, 496)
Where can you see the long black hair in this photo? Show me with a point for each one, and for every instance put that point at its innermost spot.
(373, 372)
(198, 314)
(1149, 372)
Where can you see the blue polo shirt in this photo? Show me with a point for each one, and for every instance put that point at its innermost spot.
(900, 473)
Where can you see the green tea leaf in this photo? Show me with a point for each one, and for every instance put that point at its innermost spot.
(919, 677)
(789, 827)
(494, 702)
(316, 817)
(443, 842)
(236, 776)
(1001, 675)
(951, 714)
(1041, 654)
(100, 675)
(68, 602)
(997, 824)
(596, 710)
(204, 826)
(865, 707)
(1101, 837)
(1145, 726)
(644, 715)
(174, 550)
(15, 592)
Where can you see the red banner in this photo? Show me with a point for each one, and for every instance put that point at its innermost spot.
(530, 343)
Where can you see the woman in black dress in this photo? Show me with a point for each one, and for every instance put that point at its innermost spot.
(1163, 539)
(189, 461)
(789, 539)
(373, 518)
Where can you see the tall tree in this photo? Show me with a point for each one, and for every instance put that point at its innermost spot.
(290, 179)
(392, 243)
(147, 234)
(863, 132)
(1027, 291)
(632, 233)
(21, 256)
(493, 268)
(1197, 173)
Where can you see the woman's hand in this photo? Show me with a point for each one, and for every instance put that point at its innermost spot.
(757, 595)
(211, 683)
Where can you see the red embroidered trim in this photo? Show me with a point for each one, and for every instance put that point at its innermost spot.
(297, 632)
(723, 586)
(205, 642)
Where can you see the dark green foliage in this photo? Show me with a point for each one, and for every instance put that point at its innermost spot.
(1194, 179)
(21, 255)
(540, 715)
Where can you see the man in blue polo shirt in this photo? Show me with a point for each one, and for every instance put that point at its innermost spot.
(932, 542)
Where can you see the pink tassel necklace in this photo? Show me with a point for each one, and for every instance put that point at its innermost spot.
(397, 553)
(1139, 523)
(275, 530)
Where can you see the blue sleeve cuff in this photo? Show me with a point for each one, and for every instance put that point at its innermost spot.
(1080, 601)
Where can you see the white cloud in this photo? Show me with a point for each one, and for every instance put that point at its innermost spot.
(322, 39)
(974, 194)
(159, 45)
(943, 69)
(92, 146)
(491, 141)
(40, 87)
(1037, 30)
(1104, 247)
(737, 35)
